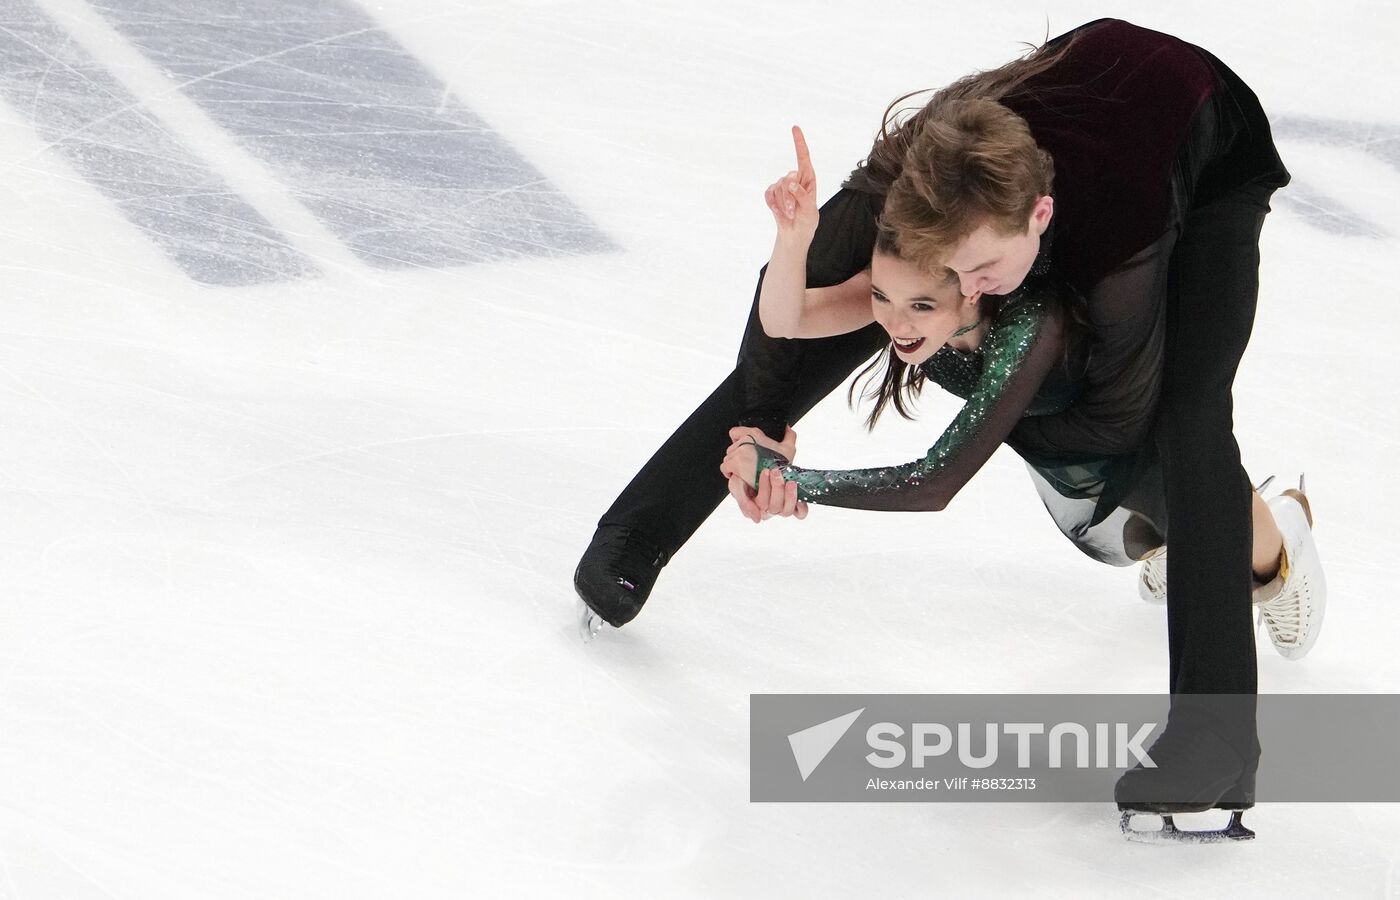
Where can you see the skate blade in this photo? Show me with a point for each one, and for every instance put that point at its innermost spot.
(1170, 834)
(589, 623)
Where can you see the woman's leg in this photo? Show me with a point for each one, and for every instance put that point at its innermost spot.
(774, 382)
(1121, 538)
(1268, 542)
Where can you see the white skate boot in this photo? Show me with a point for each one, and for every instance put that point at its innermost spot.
(1152, 580)
(1293, 603)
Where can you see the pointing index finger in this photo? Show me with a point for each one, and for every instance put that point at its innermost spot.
(805, 173)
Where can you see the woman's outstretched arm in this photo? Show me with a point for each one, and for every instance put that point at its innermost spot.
(1023, 348)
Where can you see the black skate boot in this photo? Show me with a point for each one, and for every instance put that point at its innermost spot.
(615, 576)
(1197, 770)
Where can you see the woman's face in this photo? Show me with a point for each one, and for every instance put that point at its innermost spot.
(921, 311)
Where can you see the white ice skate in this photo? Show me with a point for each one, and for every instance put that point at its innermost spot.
(1152, 580)
(1293, 603)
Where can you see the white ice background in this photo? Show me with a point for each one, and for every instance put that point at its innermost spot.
(285, 601)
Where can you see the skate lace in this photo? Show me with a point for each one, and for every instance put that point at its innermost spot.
(1284, 614)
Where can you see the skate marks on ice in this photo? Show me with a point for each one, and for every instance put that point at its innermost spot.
(157, 180)
(1374, 138)
(1326, 213)
(1318, 207)
(360, 132)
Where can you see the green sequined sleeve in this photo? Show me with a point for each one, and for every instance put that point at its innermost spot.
(1021, 348)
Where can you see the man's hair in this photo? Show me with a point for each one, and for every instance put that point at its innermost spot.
(962, 160)
(973, 163)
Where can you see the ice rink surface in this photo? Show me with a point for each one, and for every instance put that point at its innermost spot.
(329, 331)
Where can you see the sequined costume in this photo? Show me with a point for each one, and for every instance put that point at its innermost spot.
(1024, 366)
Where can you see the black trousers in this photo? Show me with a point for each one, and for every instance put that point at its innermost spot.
(775, 382)
(1213, 286)
(1192, 492)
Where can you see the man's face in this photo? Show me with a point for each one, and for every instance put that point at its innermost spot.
(990, 262)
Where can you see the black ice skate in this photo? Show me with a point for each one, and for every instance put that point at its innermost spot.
(614, 578)
(1197, 770)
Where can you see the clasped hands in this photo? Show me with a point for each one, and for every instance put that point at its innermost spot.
(774, 496)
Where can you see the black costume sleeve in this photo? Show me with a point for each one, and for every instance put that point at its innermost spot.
(1113, 413)
(1019, 351)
